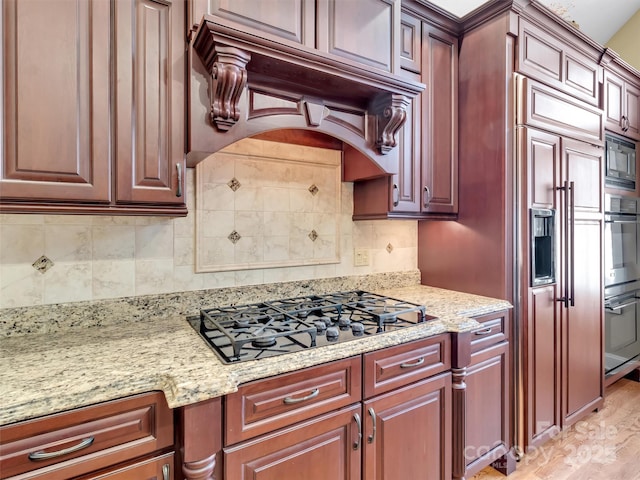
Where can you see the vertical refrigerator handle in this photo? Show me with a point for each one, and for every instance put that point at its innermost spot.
(572, 225)
(565, 298)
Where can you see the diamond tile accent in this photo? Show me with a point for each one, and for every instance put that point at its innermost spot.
(42, 264)
(234, 237)
(314, 189)
(389, 248)
(313, 235)
(234, 184)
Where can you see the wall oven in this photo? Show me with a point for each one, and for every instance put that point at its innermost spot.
(622, 281)
(621, 162)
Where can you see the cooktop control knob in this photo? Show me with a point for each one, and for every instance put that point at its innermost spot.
(332, 333)
(357, 328)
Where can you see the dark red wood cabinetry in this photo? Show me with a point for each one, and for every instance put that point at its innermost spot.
(123, 439)
(99, 126)
(400, 428)
(426, 183)
(622, 104)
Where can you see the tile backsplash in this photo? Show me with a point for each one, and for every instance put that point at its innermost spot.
(100, 257)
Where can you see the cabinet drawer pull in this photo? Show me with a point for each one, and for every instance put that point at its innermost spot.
(166, 472)
(396, 195)
(427, 196)
(417, 363)
(372, 437)
(179, 187)
(356, 444)
(40, 455)
(290, 401)
(484, 331)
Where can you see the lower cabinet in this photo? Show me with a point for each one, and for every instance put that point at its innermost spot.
(482, 398)
(126, 439)
(397, 423)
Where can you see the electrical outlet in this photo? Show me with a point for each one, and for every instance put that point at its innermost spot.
(360, 257)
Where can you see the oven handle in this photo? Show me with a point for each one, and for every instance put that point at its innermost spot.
(622, 305)
(621, 220)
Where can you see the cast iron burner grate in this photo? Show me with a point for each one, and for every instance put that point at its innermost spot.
(260, 330)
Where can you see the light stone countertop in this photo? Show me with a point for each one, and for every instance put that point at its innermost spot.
(42, 374)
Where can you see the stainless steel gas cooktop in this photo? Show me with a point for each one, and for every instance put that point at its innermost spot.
(259, 330)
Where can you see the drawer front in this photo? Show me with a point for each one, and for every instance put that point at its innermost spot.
(495, 329)
(73, 443)
(397, 366)
(265, 405)
(157, 468)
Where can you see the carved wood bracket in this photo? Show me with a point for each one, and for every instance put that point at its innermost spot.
(390, 116)
(227, 81)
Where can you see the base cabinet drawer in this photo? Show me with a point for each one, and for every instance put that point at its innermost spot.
(157, 468)
(74, 443)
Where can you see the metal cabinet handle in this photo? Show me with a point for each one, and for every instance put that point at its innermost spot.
(40, 455)
(484, 331)
(396, 195)
(628, 125)
(621, 306)
(372, 437)
(417, 363)
(623, 121)
(290, 401)
(572, 227)
(356, 444)
(179, 187)
(565, 298)
(427, 196)
(166, 472)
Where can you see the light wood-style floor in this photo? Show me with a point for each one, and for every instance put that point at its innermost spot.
(604, 446)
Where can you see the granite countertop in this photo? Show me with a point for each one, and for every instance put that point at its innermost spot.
(42, 374)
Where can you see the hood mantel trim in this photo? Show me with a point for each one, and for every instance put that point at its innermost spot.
(235, 56)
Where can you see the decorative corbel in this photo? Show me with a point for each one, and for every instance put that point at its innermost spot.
(226, 83)
(390, 116)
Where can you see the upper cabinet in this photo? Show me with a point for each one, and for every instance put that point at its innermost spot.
(545, 56)
(99, 126)
(622, 104)
(330, 26)
(425, 185)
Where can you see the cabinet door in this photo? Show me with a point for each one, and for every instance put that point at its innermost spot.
(56, 118)
(582, 356)
(632, 104)
(158, 468)
(150, 51)
(290, 19)
(407, 432)
(613, 102)
(364, 31)
(319, 449)
(440, 137)
(584, 165)
(487, 430)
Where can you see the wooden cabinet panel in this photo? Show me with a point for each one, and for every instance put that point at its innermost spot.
(342, 26)
(546, 108)
(548, 59)
(411, 43)
(487, 425)
(398, 366)
(55, 126)
(582, 361)
(543, 166)
(265, 405)
(87, 439)
(321, 448)
(542, 332)
(412, 437)
(290, 19)
(158, 468)
(150, 101)
(584, 166)
(440, 131)
(622, 105)
(494, 330)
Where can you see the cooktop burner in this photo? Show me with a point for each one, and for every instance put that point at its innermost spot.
(260, 330)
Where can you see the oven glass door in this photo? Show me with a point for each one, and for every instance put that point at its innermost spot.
(622, 330)
(622, 238)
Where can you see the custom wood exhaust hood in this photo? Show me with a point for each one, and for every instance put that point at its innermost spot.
(245, 82)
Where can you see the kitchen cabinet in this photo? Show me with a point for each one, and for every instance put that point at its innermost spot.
(488, 429)
(122, 439)
(486, 251)
(622, 104)
(425, 185)
(376, 416)
(111, 138)
(329, 26)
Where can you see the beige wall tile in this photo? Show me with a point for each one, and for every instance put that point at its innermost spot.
(154, 241)
(21, 243)
(154, 276)
(68, 242)
(68, 282)
(114, 242)
(113, 278)
(21, 285)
